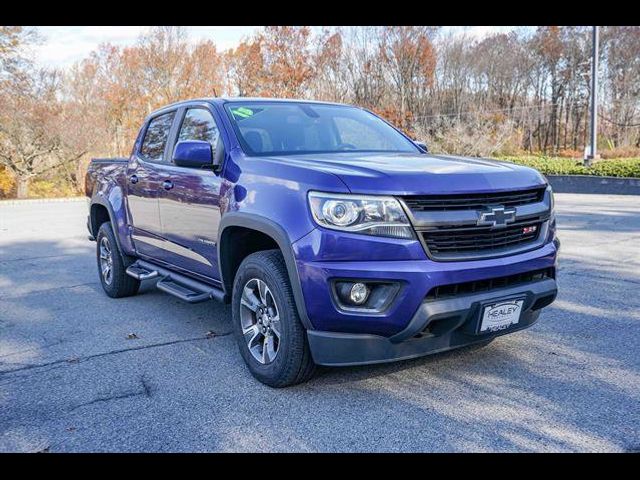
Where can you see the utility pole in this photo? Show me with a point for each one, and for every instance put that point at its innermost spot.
(593, 150)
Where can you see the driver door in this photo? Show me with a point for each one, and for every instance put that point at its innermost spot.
(190, 201)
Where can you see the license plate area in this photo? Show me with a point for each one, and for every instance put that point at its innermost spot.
(500, 315)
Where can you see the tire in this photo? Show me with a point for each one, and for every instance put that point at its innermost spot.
(288, 359)
(117, 283)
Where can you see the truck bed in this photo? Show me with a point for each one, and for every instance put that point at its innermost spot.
(104, 170)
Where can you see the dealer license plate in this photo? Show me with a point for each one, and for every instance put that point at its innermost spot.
(500, 315)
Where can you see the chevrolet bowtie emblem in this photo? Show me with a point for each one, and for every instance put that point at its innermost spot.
(496, 217)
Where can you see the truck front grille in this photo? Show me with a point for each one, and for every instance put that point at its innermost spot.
(473, 201)
(453, 228)
(479, 240)
(445, 291)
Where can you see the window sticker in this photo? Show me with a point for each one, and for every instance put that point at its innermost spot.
(242, 112)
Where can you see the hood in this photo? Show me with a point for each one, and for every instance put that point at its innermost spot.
(415, 174)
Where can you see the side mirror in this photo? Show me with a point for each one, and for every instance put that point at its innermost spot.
(422, 146)
(193, 153)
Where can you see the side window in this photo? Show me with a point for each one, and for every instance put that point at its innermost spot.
(198, 124)
(155, 139)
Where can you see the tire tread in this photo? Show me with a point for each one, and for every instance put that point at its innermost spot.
(299, 366)
(122, 285)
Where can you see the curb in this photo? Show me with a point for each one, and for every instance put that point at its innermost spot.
(41, 200)
(594, 184)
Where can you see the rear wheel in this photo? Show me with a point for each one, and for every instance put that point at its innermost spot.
(270, 336)
(111, 265)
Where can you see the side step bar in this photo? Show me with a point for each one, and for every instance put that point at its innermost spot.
(140, 273)
(178, 285)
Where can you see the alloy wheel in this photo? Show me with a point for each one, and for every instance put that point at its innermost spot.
(106, 261)
(260, 321)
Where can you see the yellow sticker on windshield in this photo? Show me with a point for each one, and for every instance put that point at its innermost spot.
(242, 112)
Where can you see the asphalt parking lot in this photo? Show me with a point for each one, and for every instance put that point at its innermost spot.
(72, 378)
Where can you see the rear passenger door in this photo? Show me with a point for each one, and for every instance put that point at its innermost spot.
(190, 207)
(144, 186)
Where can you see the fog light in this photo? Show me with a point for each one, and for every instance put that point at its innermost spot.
(359, 293)
(374, 296)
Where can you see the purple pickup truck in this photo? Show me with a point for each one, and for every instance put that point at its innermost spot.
(337, 239)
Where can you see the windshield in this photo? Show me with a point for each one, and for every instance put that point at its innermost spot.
(281, 128)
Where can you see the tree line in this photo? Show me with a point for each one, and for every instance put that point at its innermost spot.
(522, 91)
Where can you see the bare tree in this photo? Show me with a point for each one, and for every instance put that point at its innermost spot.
(29, 136)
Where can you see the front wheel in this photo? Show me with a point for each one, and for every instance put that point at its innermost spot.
(111, 267)
(270, 336)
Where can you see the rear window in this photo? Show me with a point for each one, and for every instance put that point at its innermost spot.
(155, 139)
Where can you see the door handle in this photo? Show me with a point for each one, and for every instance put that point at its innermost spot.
(134, 179)
(167, 184)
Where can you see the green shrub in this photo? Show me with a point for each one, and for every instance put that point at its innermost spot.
(618, 167)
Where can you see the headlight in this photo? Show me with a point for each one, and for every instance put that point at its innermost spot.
(552, 216)
(552, 205)
(369, 215)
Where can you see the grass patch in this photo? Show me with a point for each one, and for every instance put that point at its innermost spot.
(615, 167)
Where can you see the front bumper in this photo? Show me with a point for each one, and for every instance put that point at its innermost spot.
(435, 327)
(320, 259)
(411, 326)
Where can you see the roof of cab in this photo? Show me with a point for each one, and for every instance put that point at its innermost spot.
(222, 100)
(272, 100)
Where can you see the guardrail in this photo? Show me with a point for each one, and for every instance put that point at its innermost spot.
(594, 184)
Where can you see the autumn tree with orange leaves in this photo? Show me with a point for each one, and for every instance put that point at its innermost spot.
(526, 90)
(277, 62)
(410, 60)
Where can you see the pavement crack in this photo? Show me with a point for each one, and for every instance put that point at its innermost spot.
(146, 391)
(110, 398)
(76, 360)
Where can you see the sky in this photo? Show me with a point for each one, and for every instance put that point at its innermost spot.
(63, 46)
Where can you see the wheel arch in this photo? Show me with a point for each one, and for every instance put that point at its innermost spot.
(97, 217)
(268, 229)
(98, 214)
